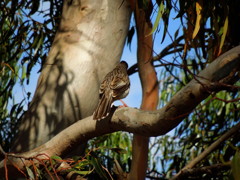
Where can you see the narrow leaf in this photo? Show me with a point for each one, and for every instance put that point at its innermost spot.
(166, 21)
(56, 158)
(199, 17)
(165, 17)
(82, 164)
(224, 33)
(119, 150)
(84, 172)
(30, 173)
(99, 168)
(236, 166)
(176, 34)
(24, 75)
(39, 43)
(35, 6)
(130, 36)
(159, 16)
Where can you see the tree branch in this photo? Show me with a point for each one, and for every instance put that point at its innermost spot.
(196, 172)
(145, 123)
(166, 51)
(207, 151)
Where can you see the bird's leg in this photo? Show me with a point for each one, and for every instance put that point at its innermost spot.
(124, 104)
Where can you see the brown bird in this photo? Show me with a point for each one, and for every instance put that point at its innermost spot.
(115, 86)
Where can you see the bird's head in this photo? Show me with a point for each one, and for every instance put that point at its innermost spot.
(124, 63)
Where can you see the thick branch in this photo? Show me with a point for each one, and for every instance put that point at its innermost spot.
(145, 123)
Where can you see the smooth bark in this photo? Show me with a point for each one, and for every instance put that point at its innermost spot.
(150, 92)
(87, 46)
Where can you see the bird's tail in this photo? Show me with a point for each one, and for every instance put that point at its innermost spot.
(103, 108)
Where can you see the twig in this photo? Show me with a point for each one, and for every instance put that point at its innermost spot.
(30, 159)
(107, 172)
(186, 173)
(211, 148)
(16, 166)
(54, 170)
(2, 151)
(166, 51)
(6, 169)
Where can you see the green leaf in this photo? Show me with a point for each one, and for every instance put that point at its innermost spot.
(84, 172)
(97, 165)
(36, 37)
(82, 164)
(30, 173)
(225, 29)
(24, 73)
(165, 18)
(119, 150)
(236, 166)
(56, 158)
(39, 173)
(159, 16)
(40, 42)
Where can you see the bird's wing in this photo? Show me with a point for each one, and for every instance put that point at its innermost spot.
(114, 86)
(104, 106)
(119, 85)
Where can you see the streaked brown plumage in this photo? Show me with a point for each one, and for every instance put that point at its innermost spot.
(115, 86)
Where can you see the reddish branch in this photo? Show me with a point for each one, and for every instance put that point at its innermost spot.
(149, 84)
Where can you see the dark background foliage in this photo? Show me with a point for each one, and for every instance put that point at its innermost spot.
(24, 42)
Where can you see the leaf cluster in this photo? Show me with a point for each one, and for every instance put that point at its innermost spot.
(208, 29)
(24, 41)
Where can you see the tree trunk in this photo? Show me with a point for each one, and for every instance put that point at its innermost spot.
(149, 90)
(87, 46)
